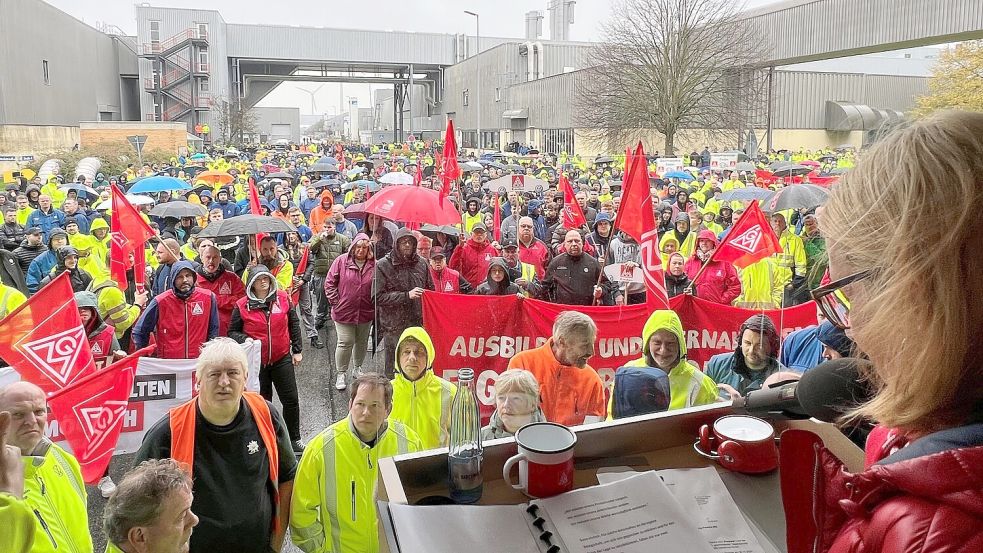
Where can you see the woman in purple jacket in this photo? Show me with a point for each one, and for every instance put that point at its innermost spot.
(348, 288)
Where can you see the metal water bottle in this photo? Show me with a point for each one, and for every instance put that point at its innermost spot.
(464, 455)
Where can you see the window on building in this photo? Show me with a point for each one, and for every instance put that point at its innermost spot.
(155, 35)
(466, 96)
(203, 61)
(203, 85)
(44, 70)
(498, 94)
(203, 30)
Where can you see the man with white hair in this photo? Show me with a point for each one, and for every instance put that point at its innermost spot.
(239, 454)
(53, 486)
(571, 390)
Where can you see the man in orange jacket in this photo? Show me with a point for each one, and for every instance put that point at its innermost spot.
(322, 212)
(571, 391)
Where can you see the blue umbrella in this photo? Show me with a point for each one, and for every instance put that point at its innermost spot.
(199, 157)
(678, 175)
(158, 184)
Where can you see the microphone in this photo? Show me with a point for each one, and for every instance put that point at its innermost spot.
(824, 393)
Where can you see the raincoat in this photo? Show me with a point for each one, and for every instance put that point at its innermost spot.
(423, 405)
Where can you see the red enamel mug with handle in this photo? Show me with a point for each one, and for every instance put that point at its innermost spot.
(739, 443)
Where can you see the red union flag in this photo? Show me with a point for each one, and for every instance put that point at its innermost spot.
(637, 219)
(128, 231)
(44, 340)
(573, 216)
(750, 240)
(90, 414)
(449, 170)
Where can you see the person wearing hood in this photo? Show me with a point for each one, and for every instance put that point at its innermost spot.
(753, 360)
(516, 404)
(421, 399)
(265, 315)
(665, 220)
(229, 209)
(401, 277)
(101, 336)
(114, 309)
(719, 281)
(498, 282)
(323, 212)
(68, 261)
(540, 227)
(472, 258)
(762, 285)
(347, 288)
(681, 234)
(227, 287)
(664, 348)
(473, 215)
(181, 319)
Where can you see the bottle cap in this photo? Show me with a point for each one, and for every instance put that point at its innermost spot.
(465, 374)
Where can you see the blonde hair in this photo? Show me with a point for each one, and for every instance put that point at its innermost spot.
(219, 351)
(910, 211)
(517, 381)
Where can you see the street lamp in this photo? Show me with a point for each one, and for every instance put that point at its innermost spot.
(477, 96)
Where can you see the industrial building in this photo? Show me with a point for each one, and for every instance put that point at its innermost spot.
(497, 90)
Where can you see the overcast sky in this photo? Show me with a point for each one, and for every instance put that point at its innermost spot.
(502, 18)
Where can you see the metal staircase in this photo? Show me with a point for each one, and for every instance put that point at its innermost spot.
(178, 72)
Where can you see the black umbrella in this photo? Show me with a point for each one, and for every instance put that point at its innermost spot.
(604, 159)
(746, 194)
(327, 183)
(178, 208)
(796, 196)
(246, 224)
(431, 230)
(791, 170)
(280, 175)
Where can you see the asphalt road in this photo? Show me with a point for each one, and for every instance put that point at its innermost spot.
(320, 405)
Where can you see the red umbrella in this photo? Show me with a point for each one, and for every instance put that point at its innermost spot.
(412, 204)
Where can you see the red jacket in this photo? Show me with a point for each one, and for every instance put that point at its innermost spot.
(922, 499)
(537, 255)
(102, 346)
(719, 283)
(183, 325)
(228, 288)
(448, 280)
(272, 331)
(472, 260)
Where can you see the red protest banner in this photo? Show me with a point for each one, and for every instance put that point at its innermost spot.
(484, 332)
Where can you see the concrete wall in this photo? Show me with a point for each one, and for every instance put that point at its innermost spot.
(36, 139)
(83, 67)
(166, 136)
(267, 117)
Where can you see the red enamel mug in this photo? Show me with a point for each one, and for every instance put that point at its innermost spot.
(739, 443)
(545, 459)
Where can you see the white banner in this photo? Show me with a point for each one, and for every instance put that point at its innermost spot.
(623, 273)
(665, 164)
(159, 385)
(723, 162)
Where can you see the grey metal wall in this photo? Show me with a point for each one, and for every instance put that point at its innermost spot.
(800, 97)
(267, 117)
(82, 67)
(809, 30)
(550, 101)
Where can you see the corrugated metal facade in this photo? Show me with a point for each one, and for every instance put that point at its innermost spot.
(800, 98)
(550, 101)
(807, 30)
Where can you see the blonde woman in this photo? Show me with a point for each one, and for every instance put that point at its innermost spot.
(903, 232)
(516, 404)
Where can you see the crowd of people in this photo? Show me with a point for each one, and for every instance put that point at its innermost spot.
(366, 276)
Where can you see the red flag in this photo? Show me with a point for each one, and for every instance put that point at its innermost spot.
(418, 175)
(128, 231)
(90, 413)
(256, 209)
(498, 217)
(573, 216)
(750, 239)
(637, 219)
(299, 270)
(449, 170)
(44, 339)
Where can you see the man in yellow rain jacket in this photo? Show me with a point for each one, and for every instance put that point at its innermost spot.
(53, 485)
(793, 259)
(421, 399)
(664, 347)
(762, 285)
(333, 505)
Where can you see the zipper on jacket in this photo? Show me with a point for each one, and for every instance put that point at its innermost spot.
(816, 479)
(354, 503)
(269, 332)
(44, 526)
(186, 323)
(54, 509)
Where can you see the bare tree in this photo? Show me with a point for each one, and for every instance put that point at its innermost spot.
(672, 66)
(234, 120)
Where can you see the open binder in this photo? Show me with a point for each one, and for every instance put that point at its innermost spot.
(637, 514)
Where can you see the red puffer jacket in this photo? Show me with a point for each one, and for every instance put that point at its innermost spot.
(926, 498)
